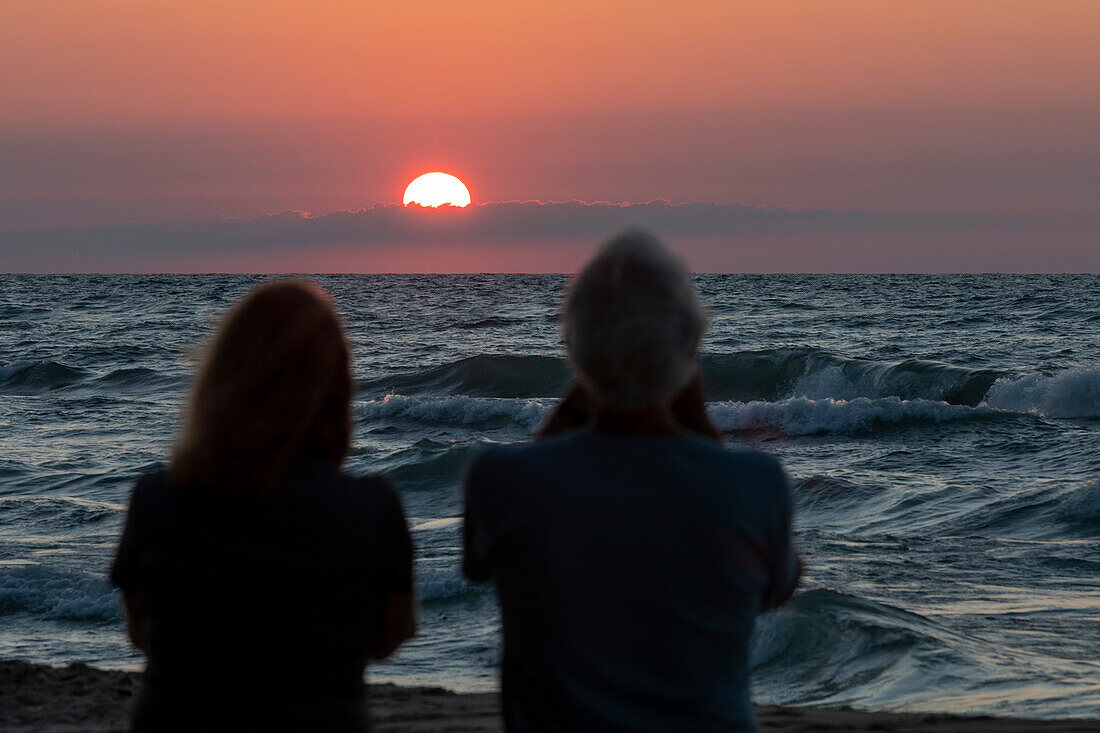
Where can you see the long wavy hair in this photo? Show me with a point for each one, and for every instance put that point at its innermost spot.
(274, 391)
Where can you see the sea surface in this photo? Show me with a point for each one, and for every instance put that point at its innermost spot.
(942, 435)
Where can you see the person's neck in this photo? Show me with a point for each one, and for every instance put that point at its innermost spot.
(657, 420)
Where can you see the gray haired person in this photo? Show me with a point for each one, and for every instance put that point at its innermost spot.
(630, 552)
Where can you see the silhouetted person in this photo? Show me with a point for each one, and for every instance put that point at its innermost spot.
(257, 577)
(632, 554)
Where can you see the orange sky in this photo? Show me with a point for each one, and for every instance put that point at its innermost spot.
(113, 62)
(135, 110)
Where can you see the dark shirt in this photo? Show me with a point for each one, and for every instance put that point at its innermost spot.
(630, 571)
(261, 611)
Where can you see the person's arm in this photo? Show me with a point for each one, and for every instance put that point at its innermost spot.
(787, 567)
(124, 573)
(785, 595)
(397, 624)
(475, 542)
(134, 620)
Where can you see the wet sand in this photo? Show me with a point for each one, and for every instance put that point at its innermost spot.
(80, 698)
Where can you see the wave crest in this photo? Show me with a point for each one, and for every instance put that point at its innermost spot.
(442, 585)
(57, 594)
(802, 416)
(781, 376)
(765, 375)
(792, 416)
(774, 374)
(1074, 393)
(826, 647)
(35, 377)
(484, 375)
(457, 410)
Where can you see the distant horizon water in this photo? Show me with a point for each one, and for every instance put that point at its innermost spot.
(941, 433)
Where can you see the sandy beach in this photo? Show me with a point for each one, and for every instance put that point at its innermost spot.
(47, 699)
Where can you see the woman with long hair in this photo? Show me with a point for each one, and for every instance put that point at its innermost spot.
(257, 577)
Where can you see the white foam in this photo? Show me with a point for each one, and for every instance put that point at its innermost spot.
(803, 416)
(1070, 394)
(434, 584)
(830, 382)
(57, 594)
(434, 524)
(815, 409)
(458, 410)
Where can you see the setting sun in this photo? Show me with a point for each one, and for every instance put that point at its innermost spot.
(437, 189)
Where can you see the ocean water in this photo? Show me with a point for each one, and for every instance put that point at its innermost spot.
(942, 434)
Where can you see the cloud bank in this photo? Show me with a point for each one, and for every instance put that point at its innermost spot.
(538, 237)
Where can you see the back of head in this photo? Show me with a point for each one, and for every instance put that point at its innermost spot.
(274, 390)
(633, 323)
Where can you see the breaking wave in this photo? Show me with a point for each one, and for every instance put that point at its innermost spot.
(796, 390)
(457, 410)
(802, 416)
(57, 594)
(814, 373)
(445, 584)
(740, 376)
(793, 416)
(832, 648)
(1074, 393)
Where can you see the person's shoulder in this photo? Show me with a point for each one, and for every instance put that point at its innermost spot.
(503, 453)
(747, 465)
(367, 482)
(503, 465)
(152, 488)
(153, 480)
(154, 501)
(343, 484)
(489, 462)
(358, 499)
(756, 461)
(374, 488)
(730, 454)
(518, 456)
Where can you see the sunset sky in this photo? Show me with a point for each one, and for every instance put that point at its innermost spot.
(932, 136)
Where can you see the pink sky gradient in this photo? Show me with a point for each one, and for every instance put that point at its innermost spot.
(124, 111)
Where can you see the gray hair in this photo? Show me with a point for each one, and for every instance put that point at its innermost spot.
(633, 323)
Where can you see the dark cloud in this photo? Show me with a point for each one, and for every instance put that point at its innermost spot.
(714, 236)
